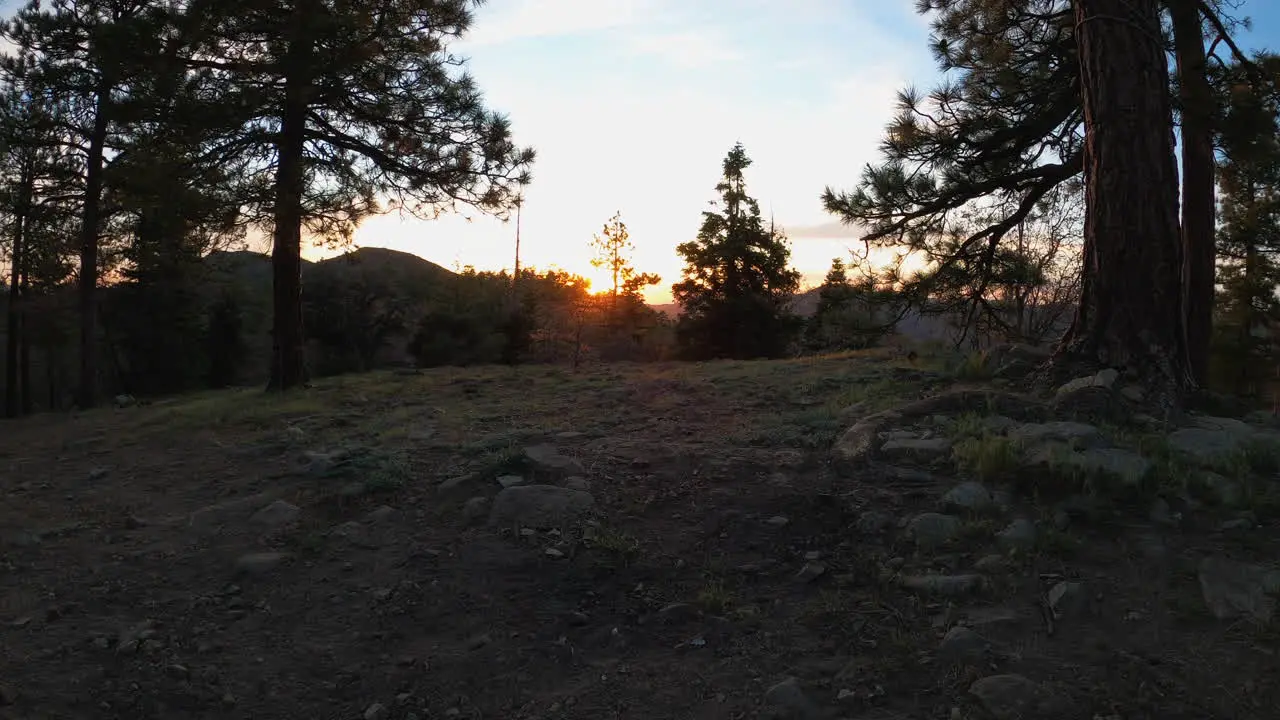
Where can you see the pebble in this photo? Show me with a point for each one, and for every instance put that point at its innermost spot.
(376, 711)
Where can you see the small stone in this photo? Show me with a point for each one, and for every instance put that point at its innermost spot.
(777, 521)
(474, 509)
(1020, 536)
(917, 449)
(677, 613)
(1234, 589)
(547, 459)
(276, 515)
(992, 564)
(790, 699)
(455, 482)
(382, 513)
(539, 506)
(98, 473)
(930, 530)
(1069, 600)
(479, 641)
(1161, 514)
(260, 563)
(179, 672)
(376, 711)
(813, 555)
(1237, 525)
(874, 522)
(554, 553)
(971, 496)
(1009, 697)
(962, 644)
(507, 481)
(577, 483)
(810, 572)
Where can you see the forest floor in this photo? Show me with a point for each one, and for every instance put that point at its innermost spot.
(686, 550)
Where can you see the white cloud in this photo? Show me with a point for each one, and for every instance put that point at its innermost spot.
(502, 21)
(689, 49)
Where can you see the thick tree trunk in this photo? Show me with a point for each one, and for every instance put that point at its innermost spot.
(1198, 208)
(1130, 314)
(90, 222)
(288, 357)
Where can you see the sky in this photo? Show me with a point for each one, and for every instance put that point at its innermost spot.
(632, 105)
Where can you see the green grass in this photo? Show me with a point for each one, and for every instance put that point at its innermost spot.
(988, 457)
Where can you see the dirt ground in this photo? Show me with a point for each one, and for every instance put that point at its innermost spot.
(141, 577)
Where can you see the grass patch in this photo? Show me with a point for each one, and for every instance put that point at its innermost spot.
(715, 598)
(611, 540)
(988, 457)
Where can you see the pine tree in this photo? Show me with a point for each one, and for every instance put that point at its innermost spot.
(354, 102)
(1247, 309)
(613, 249)
(736, 280)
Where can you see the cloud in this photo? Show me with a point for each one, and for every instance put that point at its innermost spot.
(690, 49)
(508, 20)
(834, 230)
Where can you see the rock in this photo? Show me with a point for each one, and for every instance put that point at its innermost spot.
(1077, 435)
(971, 496)
(1069, 600)
(1206, 446)
(810, 572)
(789, 700)
(930, 530)
(1128, 468)
(381, 514)
(961, 644)
(919, 449)
(547, 459)
(125, 401)
(260, 563)
(278, 514)
(474, 509)
(1133, 393)
(860, 442)
(1233, 589)
(98, 473)
(454, 483)
(1020, 536)
(577, 483)
(777, 521)
(1221, 490)
(354, 533)
(678, 613)
(376, 711)
(1011, 697)
(944, 585)
(210, 517)
(1093, 404)
(507, 481)
(554, 554)
(1161, 514)
(539, 506)
(874, 522)
(992, 564)
(1238, 525)
(1101, 379)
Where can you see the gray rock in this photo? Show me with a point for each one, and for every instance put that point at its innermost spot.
(1077, 435)
(474, 509)
(278, 514)
(1206, 446)
(859, 442)
(382, 514)
(777, 521)
(810, 572)
(1011, 697)
(874, 522)
(376, 711)
(1233, 589)
(1221, 490)
(1128, 468)
(930, 530)
(125, 401)
(1020, 536)
(507, 481)
(539, 506)
(961, 644)
(944, 585)
(1161, 513)
(1069, 600)
(354, 533)
(260, 563)
(1133, 393)
(917, 449)
(971, 496)
(577, 483)
(788, 700)
(547, 459)
(454, 483)
(1101, 379)
(1237, 525)
(210, 517)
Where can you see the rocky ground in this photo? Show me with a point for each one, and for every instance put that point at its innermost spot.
(849, 537)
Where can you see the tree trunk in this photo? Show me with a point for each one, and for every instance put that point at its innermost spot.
(13, 401)
(1198, 209)
(288, 357)
(1130, 314)
(24, 350)
(90, 222)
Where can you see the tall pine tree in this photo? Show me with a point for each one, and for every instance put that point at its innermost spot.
(736, 280)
